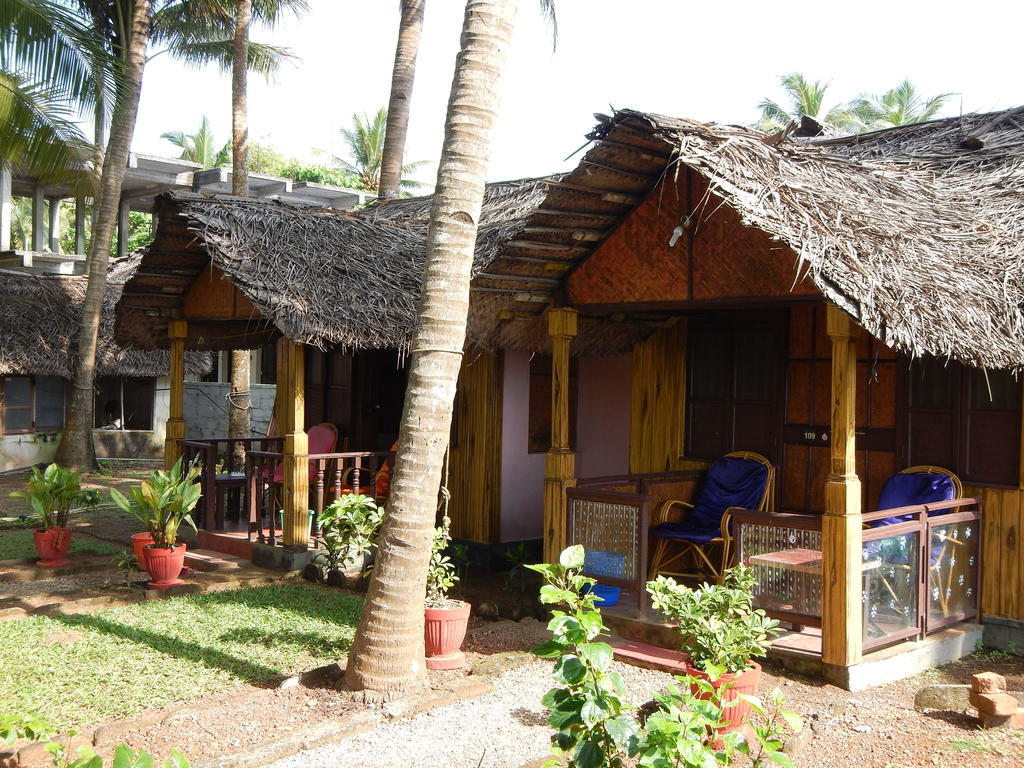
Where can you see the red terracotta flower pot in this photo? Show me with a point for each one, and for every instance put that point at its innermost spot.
(444, 631)
(53, 545)
(140, 541)
(164, 564)
(743, 682)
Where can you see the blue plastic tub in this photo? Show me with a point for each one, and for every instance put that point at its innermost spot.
(612, 564)
(606, 595)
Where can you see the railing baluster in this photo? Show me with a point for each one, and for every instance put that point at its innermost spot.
(356, 463)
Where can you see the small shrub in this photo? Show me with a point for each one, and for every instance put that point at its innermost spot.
(348, 528)
(441, 574)
(720, 629)
(52, 494)
(163, 501)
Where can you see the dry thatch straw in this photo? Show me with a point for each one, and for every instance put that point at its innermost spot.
(319, 277)
(40, 322)
(916, 231)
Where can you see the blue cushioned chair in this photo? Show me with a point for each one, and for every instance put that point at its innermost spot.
(911, 487)
(740, 479)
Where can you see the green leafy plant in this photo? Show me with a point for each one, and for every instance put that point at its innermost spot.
(441, 574)
(13, 728)
(52, 494)
(686, 731)
(587, 711)
(348, 527)
(126, 561)
(516, 558)
(721, 631)
(163, 501)
(593, 725)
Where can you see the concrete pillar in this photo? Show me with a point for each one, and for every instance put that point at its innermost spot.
(53, 227)
(123, 210)
(38, 227)
(6, 207)
(80, 226)
(561, 461)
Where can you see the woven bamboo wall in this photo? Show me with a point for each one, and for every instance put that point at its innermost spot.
(475, 460)
(658, 402)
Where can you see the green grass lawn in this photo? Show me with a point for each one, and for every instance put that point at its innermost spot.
(17, 544)
(74, 671)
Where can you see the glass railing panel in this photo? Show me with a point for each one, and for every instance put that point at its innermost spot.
(890, 586)
(787, 565)
(952, 571)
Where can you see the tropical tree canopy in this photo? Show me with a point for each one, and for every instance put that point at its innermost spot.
(901, 105)
(200, 147)
(803, 98)
(365, 141)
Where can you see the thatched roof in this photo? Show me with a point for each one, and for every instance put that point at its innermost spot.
(316, 276)
(40, 321)
(915, 231)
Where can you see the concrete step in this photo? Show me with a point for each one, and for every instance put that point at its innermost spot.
(639, 654)
(208, 560)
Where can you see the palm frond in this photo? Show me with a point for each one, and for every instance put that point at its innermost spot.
(38, 133)
(547, 8)
(45, 42)
(264, 59)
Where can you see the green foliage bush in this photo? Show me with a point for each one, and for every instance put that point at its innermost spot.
(441, 574)
(720, 629)
(593, 724)
(52, 494)
(163, 501)
(348, 527)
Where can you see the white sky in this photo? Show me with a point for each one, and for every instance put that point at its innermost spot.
(710, 61)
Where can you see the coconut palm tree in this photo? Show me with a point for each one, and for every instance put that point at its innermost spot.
(901, 105)
(200, 147)
(804, 99)
(402, 75)
(75, 449)
(365, 140)
(387, 653)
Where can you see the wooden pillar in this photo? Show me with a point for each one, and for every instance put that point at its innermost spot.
(6, 206)
(36, 239)
(177, 331)
(291, 412)
(53, 228)
(80, 226)
(842, 615)
(561, 461)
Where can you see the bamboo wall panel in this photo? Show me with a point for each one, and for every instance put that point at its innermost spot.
(475, 460)
(658, 402)
(717, 258)
(1002, 558)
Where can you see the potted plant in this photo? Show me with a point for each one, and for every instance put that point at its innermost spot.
(52, 493)
(347, 527)
(721, 634)
(446, 620)
(162, 502)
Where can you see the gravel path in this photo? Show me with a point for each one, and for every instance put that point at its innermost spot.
(505, 728)
(72, 582)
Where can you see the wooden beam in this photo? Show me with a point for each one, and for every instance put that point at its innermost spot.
(842, 620)
(640, 152)
(579, 234)
(574, 214)
(291, 412)
(535, 245)
(640, 177)
(560, 468)
(518, 278)
(608, 195)
(177, 332)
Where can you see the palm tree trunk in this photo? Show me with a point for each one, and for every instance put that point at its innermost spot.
(387, 654)
(76, 449)
(402, 76)
(238, 413)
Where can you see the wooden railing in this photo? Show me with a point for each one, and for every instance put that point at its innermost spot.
(918, 576)
(331, 475)
(221, 472)
(613, 514)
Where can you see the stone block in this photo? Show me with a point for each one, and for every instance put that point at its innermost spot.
(280, 558)
(946, 697)
(1015, 721)
(988, 682)
(999, 704)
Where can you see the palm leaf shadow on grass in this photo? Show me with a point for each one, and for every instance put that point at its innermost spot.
(203, 655)
(312, 642)
(325, 605)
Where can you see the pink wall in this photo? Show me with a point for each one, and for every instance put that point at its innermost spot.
(522, 473)
(602, 422)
